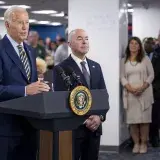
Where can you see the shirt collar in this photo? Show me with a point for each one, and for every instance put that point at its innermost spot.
(78, 60)
(13, 42)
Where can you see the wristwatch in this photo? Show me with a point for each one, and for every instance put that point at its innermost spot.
(101, 118)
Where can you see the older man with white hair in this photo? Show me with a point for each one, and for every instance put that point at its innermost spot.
(18, 78)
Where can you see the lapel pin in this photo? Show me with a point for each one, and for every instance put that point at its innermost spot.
(93, 66)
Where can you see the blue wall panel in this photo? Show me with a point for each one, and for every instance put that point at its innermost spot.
(48, 31)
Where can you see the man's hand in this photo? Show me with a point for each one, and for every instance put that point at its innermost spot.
(36, 87)
(93, 122)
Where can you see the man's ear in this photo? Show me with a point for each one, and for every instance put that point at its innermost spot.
(69, 44)
(7, 24)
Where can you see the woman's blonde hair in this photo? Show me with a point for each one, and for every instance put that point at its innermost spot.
(41, 65)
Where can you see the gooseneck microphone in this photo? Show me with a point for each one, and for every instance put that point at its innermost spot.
(65, 78)
(71, 72)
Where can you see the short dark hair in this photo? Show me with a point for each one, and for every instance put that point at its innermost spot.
(140, 55)
(62, 40)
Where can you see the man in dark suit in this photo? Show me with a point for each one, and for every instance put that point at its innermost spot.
(18, 78)
(87, 136)
(154, 56)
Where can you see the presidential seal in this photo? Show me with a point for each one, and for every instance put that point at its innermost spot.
(80, 100)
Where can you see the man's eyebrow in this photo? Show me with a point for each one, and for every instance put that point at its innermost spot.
(81, 37)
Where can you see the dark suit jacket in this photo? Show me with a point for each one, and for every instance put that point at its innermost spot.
(13, 80)
(156, 81)
(96, 82)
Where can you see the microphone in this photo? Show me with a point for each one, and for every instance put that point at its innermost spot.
(65, 78)
(71, 72)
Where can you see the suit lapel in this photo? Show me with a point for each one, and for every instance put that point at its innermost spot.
(92, 70)
(13, 55)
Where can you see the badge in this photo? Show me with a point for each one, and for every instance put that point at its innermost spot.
(80, 100)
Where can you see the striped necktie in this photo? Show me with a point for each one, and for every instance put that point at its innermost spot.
(85, 73)
(25, 61)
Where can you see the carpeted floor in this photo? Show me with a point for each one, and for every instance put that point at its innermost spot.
(126, 154)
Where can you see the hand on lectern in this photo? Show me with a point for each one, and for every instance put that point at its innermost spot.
(93, 122)
(37, 87)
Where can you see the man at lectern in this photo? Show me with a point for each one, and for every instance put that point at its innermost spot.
(18, 78)
(87, 136)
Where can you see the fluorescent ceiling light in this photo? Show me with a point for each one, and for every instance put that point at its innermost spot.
(2, 2)
(130, 10)
(32, 20)
(8, 6)
(1, 18)
(56, 23)
(129, 5)
(44, 12)
(58, 14)
(24, 6)
(43, 22)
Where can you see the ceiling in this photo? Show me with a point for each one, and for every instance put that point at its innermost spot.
(144, 3)
(57, 5)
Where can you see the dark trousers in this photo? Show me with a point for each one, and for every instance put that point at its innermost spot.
(18, 148)
(154, 126)
(87, 147)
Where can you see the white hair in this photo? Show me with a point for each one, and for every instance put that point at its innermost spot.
(73, 32)
(10, 10)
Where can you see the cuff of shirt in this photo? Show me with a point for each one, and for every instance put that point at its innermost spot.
(25, 94)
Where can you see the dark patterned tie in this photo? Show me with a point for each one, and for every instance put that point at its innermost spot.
(25, 61)
(85, 73)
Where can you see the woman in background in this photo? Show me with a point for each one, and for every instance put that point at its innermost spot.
(41, 68)
(136, 77)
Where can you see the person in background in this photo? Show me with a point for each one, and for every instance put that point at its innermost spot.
(47, 44)
(53, 47)
(41, 68)
(149, 45)
(18, 78)
(50, 62)
(33, 38)
(154, 56)
(136, 74)
(58, 37)
(48, 76)
(62, 52)
(157, 46)
(41, 42)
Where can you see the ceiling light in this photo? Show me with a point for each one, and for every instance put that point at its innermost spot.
(130, 10)
(44, 12)
(24, 6)
(43, 22)
(56, 24)
(8, 6)
(58, 14)
(2, 2)
(32, 20)
(129, 5)
(1, 18)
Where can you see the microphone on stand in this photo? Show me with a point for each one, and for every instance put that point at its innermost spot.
(66, 79)
(71, 72)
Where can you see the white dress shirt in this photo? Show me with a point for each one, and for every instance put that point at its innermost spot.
(14, 44)
(78, 61)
